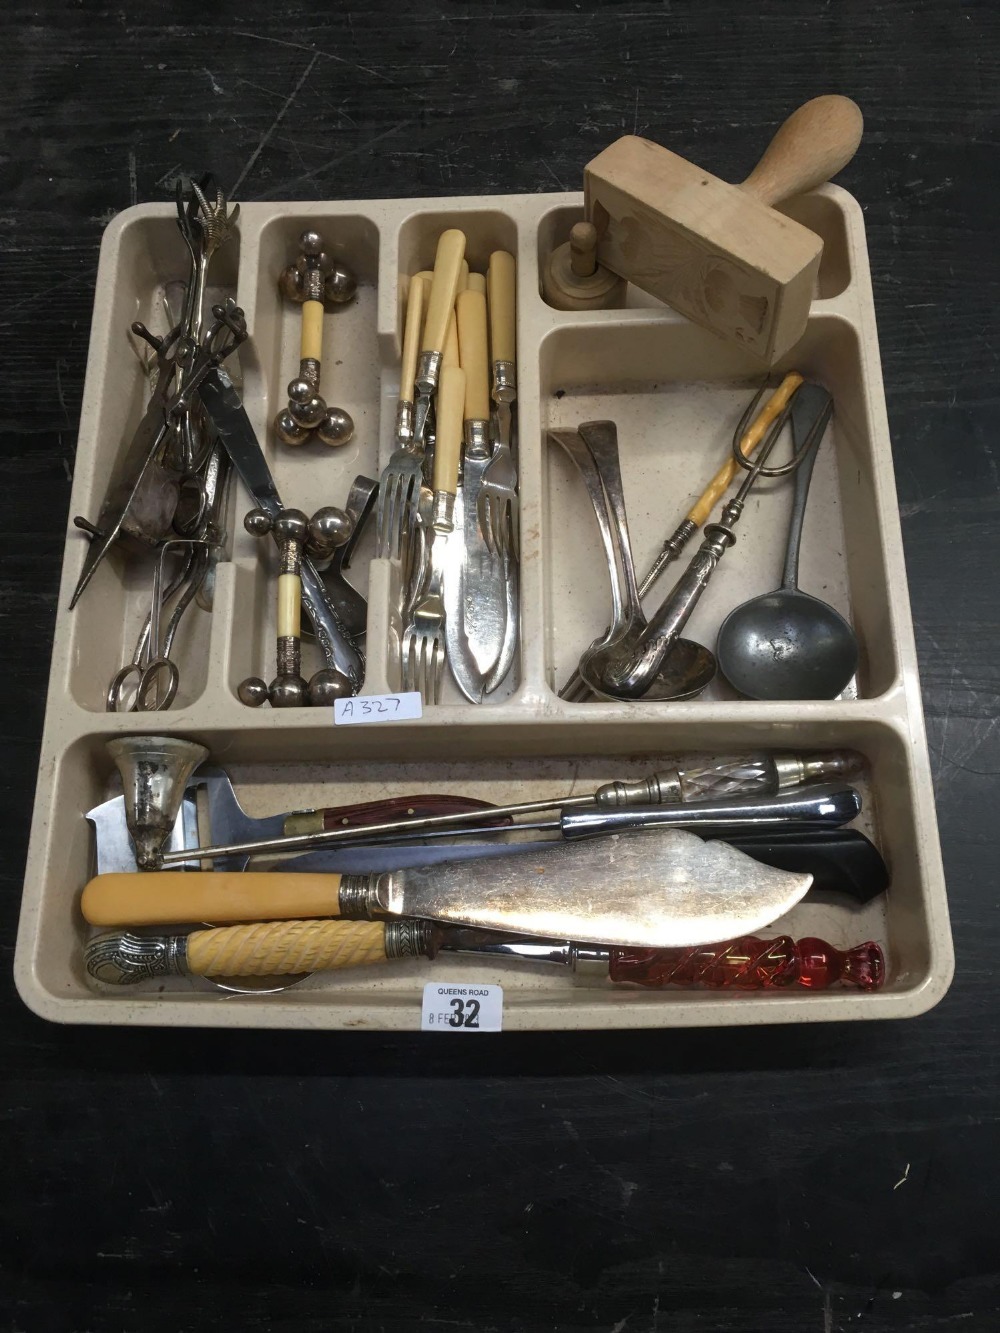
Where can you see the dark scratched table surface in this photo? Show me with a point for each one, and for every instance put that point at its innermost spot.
(780, 1180)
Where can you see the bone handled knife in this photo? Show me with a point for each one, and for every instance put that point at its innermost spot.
(669, 891)
(476, 599)
(440, 306)
(416, 304)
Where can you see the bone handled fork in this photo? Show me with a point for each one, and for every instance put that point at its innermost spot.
(498, 496)
(399, 489)
(423, 639)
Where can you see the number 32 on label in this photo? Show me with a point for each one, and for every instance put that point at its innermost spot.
(454, 1007)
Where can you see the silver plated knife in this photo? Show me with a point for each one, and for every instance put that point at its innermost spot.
(477, 599)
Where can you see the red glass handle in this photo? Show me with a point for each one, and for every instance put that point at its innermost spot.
(753, 964)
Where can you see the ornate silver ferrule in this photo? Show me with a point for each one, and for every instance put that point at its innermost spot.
(289, 556)
(659, 789)
(288, 655)
(409, 939)
(443, 513)
(730, 515)
(793, 770)
(675, 544)
(312, 282)
(124, 959)
(718, 536)
(476, 435)
(428, 371)
(404, 422)
(504, 381)
(358, 897)
(589, 960)
(309, 369)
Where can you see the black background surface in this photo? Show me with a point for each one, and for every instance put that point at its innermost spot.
(159, 1180)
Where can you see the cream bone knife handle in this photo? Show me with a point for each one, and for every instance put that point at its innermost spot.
(440, 304)
(451, 355)
(448, 445)
(501, 290)
(176, 897)
(416, 302)
(814, 143)
(427, 275)
(476, 283)
(470, 309)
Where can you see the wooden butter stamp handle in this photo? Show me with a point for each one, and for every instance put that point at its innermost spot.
(815, 142)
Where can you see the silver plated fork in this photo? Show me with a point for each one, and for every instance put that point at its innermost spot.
(399, 486)
(498, 508)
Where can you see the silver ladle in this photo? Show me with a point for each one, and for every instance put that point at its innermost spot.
(632, 669)
(786, 644)
(691, 667)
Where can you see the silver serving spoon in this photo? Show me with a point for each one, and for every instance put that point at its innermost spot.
(690, 667)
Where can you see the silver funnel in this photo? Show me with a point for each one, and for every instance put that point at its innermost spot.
(155, 771)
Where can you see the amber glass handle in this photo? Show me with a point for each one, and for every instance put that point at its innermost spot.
(753, 964)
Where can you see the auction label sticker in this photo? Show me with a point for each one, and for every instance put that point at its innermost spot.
(451, 1006)
(377, 708)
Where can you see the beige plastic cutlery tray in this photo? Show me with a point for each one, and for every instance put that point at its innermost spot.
(676, 393)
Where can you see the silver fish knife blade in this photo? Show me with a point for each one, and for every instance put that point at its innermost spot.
(671, 891)
(476, 597)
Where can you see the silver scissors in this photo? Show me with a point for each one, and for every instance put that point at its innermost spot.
(149, 682)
